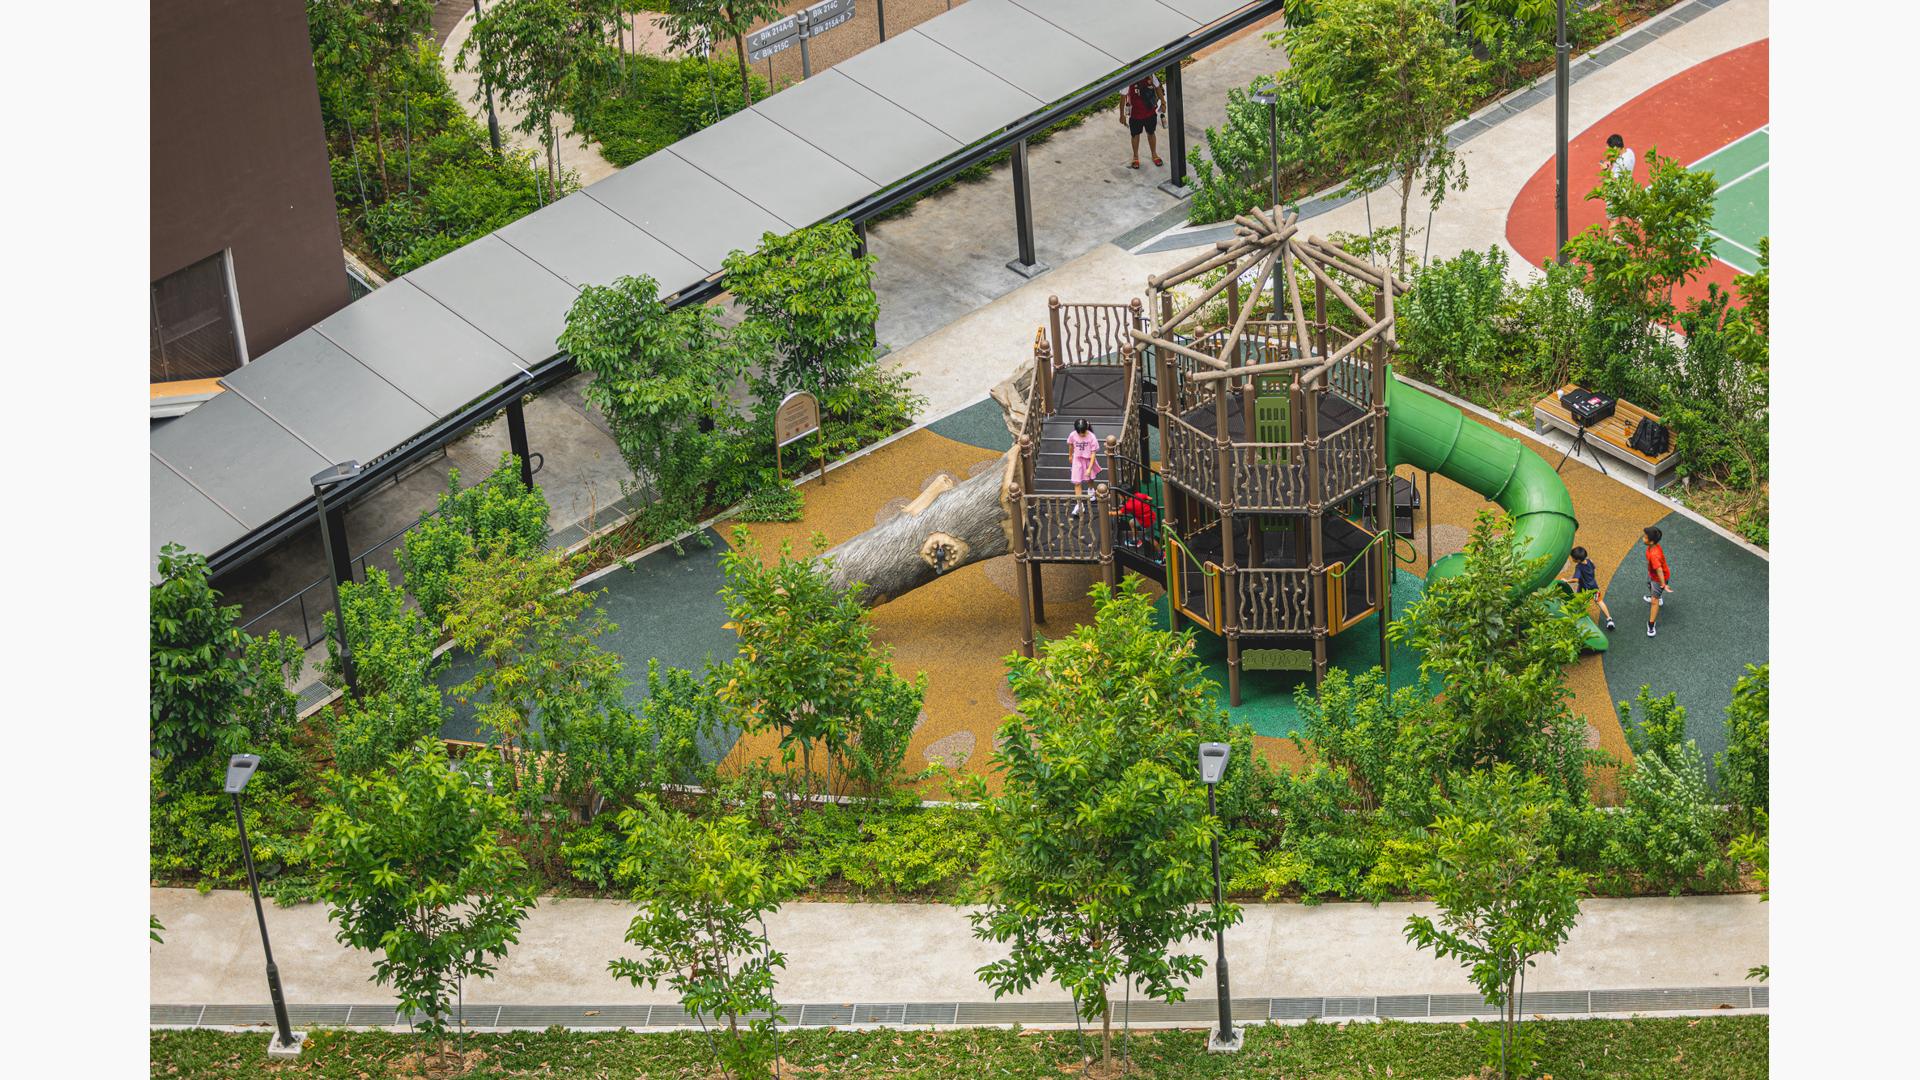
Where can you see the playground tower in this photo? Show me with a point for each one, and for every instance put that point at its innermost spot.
(1255, 423)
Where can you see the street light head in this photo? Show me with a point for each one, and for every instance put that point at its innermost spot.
(1267, 94)
(240, 769)
(1213, 761)
(336, 474)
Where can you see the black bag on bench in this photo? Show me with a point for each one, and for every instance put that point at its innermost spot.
(1649, 437)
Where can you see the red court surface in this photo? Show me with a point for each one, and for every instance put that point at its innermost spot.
(1686, 117)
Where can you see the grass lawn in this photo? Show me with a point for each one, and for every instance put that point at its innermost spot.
(1699, 1048)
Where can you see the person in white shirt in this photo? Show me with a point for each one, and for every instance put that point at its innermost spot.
(1623, 159)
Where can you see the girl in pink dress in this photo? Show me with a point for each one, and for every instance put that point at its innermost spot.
(1082, 444)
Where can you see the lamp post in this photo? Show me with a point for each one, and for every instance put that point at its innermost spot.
(287, 1043)
(493, 122)
(333, 543)
(1213, 765)
(1269, 95)
(1560, 93)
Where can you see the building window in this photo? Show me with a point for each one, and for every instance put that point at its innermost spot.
(195, 333)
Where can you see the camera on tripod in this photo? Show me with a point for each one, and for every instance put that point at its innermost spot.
(1586, 407)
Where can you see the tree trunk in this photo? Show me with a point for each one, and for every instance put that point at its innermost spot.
(379, 144)
(746, 87)
(962, 525)
(1406, 193)
(1106, 1040)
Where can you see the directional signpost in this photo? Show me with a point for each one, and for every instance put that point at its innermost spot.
(798, 28)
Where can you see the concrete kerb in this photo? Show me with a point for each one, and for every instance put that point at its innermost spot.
(627, 560)
(1680, 508)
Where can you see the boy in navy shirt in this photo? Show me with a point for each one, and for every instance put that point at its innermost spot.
(1586, 581)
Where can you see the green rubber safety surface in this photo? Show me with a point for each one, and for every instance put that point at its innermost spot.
(1713, 626)
(1266, 697)
(666, 606)
(982, 424)
(1741, 208)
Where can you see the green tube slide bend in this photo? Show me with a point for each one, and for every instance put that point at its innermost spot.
(1431, 435)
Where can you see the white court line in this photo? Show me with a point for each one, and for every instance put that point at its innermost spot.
(1757, 168)
(1763, 129)
(1730, 240)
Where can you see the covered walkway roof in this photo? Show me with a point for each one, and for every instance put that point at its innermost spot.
(407, 368)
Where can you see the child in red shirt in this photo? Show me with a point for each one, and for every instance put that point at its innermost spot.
(1137, 513)
(1658, 576)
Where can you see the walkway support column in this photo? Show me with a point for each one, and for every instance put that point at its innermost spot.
(333, 541)
(1176, 182)
(517, 439)
(1028, 265)
(859, 239)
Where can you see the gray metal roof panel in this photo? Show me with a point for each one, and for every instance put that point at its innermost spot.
(312, 387)
(584, 243)
(509, 297)
(878, 139)
(1205, 12)
(412, 340)
(686, 209)
(934, 83)
(792, 179)
(1123, 29)
(239, 457)
(1020, 47)
(181, 515)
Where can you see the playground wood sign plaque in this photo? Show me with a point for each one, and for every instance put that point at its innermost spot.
(797, 417)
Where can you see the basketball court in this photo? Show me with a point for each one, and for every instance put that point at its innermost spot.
(1740, 209)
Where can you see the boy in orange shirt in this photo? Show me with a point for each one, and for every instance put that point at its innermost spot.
(1658, 576)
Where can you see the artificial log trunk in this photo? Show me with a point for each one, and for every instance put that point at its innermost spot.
(947, 527)
(939, 532)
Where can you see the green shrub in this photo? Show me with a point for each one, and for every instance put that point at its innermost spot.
(498, 507)
(774, 501)
(192, 837)
(593, 853)
(1669, 834)
(1743, 765)
(1452, 323)
(916, 852)
(1230, 175)
(658, 101)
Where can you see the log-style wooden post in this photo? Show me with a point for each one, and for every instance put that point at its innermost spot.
(1053, 323)
(1230, 586)
(1320, 315)
(1109, 573)
(1020, 528)
(1386, 514)
(1165, 377)
(1020, 570)
(1042, 372)
(1316, 532)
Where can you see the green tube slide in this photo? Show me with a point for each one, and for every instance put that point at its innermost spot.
(1427, 433)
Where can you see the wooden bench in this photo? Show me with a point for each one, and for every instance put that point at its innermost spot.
(1610, 436)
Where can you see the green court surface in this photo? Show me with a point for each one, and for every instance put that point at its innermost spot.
(1740, 218)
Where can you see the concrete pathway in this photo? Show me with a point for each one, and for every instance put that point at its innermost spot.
(927, 953)
(949, 255)
(574, 152)
(1500, 161)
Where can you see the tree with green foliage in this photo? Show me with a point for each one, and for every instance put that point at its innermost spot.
(415, 865)
(213, 688)
(663, 378)
(548, 695)
(398, 700)
(1751, 848)
(810, 306)
(360, 44)
(1387, 78)
(542, 57)
(697, 26)
(1670, 831)
(1743, 766)
(1098, 863)
(704, 886)
(499, 512)
(810, 670)
(1498, 651)
(1504, 896)
(1654, 239)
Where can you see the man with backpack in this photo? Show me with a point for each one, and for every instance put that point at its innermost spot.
(1140, 111)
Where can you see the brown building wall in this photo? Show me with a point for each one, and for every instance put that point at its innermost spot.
(240, 160)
